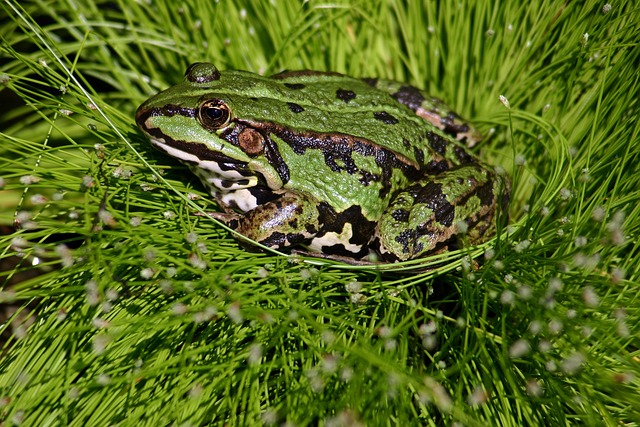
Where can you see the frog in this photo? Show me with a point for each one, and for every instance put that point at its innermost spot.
(339, 167)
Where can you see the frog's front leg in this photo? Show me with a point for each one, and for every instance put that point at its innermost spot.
(288, 220)
(429, 216)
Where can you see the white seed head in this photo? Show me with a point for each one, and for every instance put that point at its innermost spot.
(565, 193)
(505, 101)
(572, 364)
(234, 313)
(507, 297)
(580, 241)
(519, 349)
(617, 275)
(534, 388)
(255, 354)
(555, 326)
(584, 39)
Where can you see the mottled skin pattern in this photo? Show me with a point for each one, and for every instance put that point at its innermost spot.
(333, 164)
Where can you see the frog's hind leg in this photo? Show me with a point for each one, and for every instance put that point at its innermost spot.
(431, 109)
(431, 214)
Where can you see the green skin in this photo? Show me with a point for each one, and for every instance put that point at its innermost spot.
(340, 166)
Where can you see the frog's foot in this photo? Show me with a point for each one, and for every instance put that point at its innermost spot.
(286, 221)
(431, 215)
(231, 220)
(341, 258)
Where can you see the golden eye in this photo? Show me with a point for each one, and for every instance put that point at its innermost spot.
(214, 114)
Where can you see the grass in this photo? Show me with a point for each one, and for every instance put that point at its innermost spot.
(148, 314)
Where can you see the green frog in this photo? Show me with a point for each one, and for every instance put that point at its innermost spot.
(340, 167)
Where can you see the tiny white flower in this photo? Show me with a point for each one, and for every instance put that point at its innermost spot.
(535, 327)
(87, 182)
(100, 323)
(555, 285)
(522, 246)
(590, 297)
(478, 396)
(107, 218)
(584, 39)
(534, 388)
(358, 298)
(580, 241)
(353, 287)
(519, 349)
(551, 366)
(179, 308)
(29, 179)
(489, 253)
(565, 193)
(507, 297)
(346, 374)
(598, 213)
(505, 101)
(255, 354)
(573, 363)
(555, 326)
(617, 275)
(234, 313)
(525, 292)
(544, 346)
(99, 343)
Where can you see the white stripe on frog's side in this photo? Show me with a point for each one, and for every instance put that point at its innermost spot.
(229, 187)
(332, 238)
(242, 199)
(208, 172)
(233, 195)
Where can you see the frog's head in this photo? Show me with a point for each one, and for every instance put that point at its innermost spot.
(197, 122)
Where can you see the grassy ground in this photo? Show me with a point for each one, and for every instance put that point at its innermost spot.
(158, 317)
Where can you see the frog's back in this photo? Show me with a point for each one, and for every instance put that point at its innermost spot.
(340, 92)
(398, 118)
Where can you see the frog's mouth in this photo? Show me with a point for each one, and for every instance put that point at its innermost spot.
(198, 156)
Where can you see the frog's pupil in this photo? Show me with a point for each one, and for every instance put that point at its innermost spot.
(214, 113)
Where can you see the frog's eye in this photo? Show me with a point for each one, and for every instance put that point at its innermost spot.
(214, 114)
